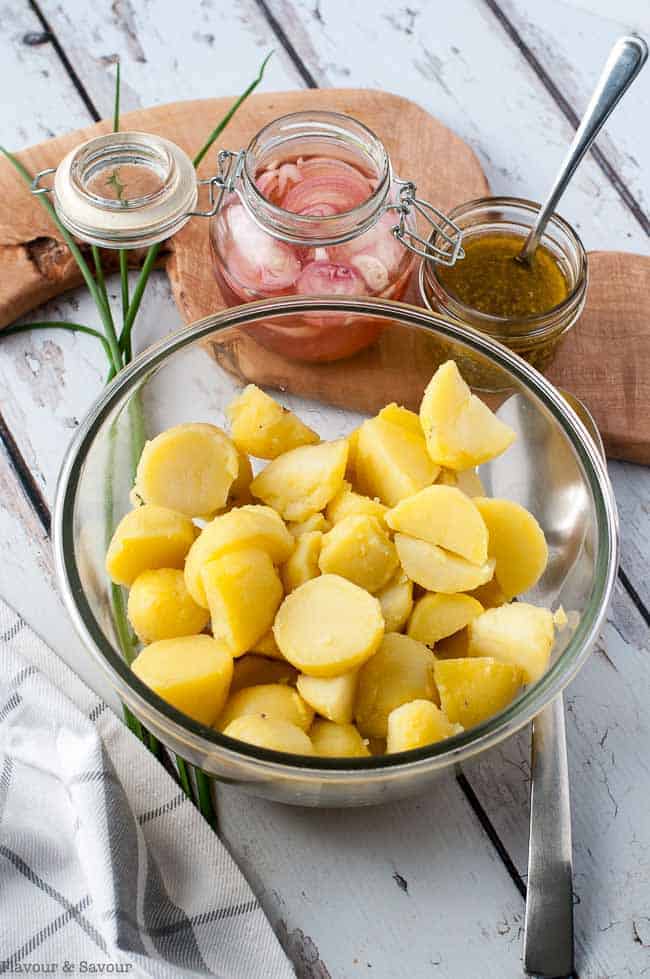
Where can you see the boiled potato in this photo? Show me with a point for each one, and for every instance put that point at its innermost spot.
(267, 646)
(391, 462)
(328, 626)
(271, 733)
(397, 415)
(396, 600)
(467, 480)
(252, 671)
(401, 670)
(192, 673)
(517, 544)
(460, 430)
(243, 591)
(455, 646)
(188, 468)
(332, 740)
(357, 548)
(445, 516)
(239, 493)
(438, 570)
(303, 563)
(263, 427)
(416, 724)
(347, 503)
(489, 594)
(270, 700)
(472, 690)
(519, 633)
(332, 697)
(352, 440)
(376, 746)
(304, 480)
(317, 521)
(247, 526)
(160, 606)
(148, 538)
(436, 616)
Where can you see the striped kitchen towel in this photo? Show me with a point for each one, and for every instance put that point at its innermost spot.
(105, 866)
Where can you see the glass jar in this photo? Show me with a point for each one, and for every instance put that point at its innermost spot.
(535, 338)
(312, 208)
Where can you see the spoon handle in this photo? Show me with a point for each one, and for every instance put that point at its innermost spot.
(548, 935)
(626, 59)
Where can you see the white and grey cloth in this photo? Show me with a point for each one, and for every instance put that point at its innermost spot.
(105, 866)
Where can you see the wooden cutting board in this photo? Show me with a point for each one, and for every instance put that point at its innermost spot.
(605, 360)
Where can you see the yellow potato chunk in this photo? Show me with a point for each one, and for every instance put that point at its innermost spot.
(517, 544)
(265, 428)
(160, 606)
(247, 526)
(239, 493)
(445, 516)
(472, 690)
(397, 415)
(267, 646)
(467, 480)
(347, 503)
(316, 522)
(243, 591)
(435, 616)
(438, 570)
(192, 673)
(519, 634)
(460, 430)
(304, 480)
(252, 671)
(332, 697)
(401, 670)
(337, 740)
(377, 746)
(357, 548)
(455, 646)
(352, 440)
(303, 563)
(188, 468)
(271, 733)
(147, 538)
(396, 600)
(328, 626)
(270, 700)
(489, 594)
(416, 724)
(391, 462)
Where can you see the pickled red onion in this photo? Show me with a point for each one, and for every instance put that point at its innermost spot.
(330, 279)
(338, 192)
(379, 242)
(256, 259)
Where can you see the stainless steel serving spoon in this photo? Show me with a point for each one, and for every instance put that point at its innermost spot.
(626, 59)
(548, 935)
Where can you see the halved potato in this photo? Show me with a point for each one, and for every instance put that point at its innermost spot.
(401, 670)
(192, 673)
(416, 724)
(517, 544)
(267, 646)
(391, 462)
(455, 646)
(239, 493)
(472, 690)
(247, 526)
(332, 740)
(304, 480)
(445, 516)
(489, 594)
(270, 700)
(303, 563)
(252, 670)
(243, 591)
(397, 415)
(460, 430)
(359, 549)
(317, 521)
(467, 480)
(438, 570)
(347, 503)
(519, 633)
(189, 468)
(160, 606)
(352, 440)
(437, 616)
(332, 697)
(396, 600)
(328, 626)
(147, 538)
(271, 733)
(265, 428)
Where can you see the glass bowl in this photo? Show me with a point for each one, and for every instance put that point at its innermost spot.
(554, 469)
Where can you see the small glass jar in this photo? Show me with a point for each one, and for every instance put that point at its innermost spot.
(536, 338)
(312, 208)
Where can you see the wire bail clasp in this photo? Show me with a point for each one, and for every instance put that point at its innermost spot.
(35, 186)
(440, 224)
(224, 182)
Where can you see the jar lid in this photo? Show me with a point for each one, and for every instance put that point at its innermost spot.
(125, 190)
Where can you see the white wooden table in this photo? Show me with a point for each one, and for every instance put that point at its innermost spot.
(435, 886)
